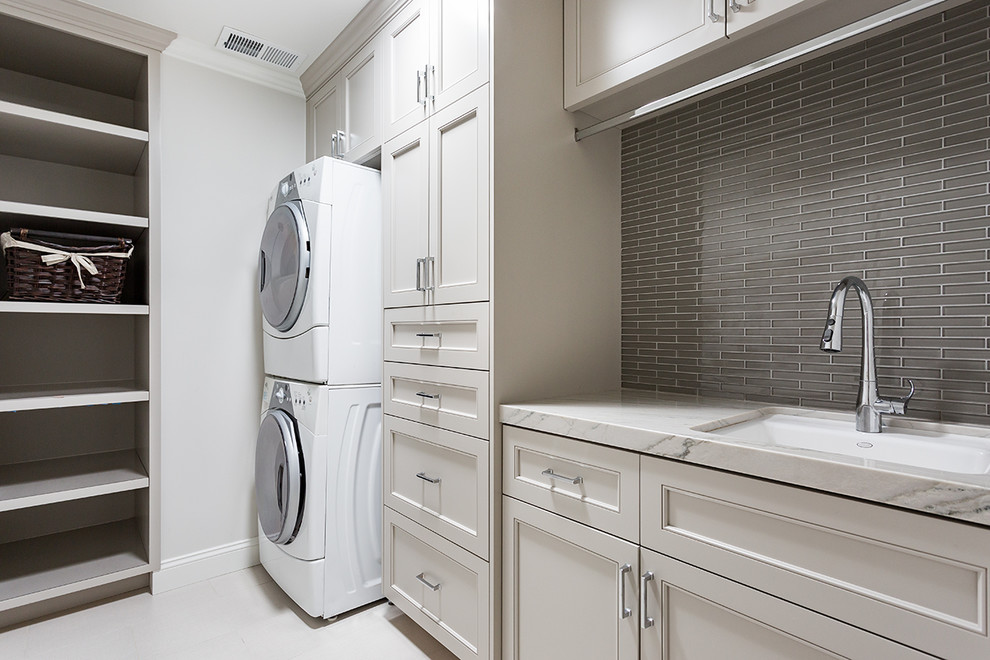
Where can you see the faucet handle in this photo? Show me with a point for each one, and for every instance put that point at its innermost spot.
(896, 405)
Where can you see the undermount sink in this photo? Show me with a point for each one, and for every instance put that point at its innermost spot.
(921, 444)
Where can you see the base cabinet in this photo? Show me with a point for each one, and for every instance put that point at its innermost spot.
(571, 591)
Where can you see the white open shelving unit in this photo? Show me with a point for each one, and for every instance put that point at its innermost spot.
(79, 413)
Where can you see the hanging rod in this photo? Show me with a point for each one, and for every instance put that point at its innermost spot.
(827, 40)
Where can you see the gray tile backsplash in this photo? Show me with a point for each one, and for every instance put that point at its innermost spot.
(741, 212)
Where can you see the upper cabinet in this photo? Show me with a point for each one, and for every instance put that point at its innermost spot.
(435, 52)
(344, 116)
(609, 44)
(620, 55)
(436, 206)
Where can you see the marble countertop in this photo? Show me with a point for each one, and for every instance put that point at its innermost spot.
(667, 425)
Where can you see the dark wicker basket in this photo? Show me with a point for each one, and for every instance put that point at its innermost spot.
(30, 278)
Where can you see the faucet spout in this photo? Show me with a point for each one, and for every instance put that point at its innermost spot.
(869, 405)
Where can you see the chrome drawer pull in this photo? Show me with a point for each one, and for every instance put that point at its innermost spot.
(428, 396)
(553, 475)
(433, 587)
(428, 334)
(624, 612)
(644, 621)
(422, 475)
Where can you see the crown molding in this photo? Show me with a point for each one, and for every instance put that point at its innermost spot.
(89, 21)
(206, 56)
(368, 22)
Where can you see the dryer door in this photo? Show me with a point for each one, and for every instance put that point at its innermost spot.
(279, 479)
(283, 265)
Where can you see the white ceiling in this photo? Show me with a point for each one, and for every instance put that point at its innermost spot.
(303, 26)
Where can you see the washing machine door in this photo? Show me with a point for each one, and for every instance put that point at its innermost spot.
(279, 479)
(283, 265)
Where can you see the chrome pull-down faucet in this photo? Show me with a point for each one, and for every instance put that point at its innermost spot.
(870, 405)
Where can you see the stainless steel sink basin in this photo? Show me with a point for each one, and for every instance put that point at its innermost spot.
(918, 444)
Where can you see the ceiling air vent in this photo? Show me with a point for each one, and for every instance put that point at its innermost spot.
(246, 45)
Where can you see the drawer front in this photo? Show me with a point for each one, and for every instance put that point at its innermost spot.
(441, 335)
(455, 399)
(918, 580)
(592, 484)
(439, 479)
(439, 585)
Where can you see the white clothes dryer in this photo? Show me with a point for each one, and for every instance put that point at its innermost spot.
(318, 487)
(320, 275)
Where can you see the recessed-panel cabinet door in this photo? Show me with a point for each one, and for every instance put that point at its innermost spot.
(460, 49)
(362, 103)
(324, 117)
(568, 591)
(459, 200)
(407, 55)
(690, 614)
(611, 44)
(405, 185)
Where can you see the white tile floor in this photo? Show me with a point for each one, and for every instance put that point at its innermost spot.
(243, 615)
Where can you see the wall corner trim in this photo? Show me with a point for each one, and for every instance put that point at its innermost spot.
(211, 58)
(205, 564)
(89, 21)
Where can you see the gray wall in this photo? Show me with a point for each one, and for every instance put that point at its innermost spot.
(741, 212)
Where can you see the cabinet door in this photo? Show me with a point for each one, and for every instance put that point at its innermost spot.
(324, 117)
(459, 200)
(459, 49)
(743, 15)
(611, 44)
(361, 81)
(407, 58)
(405, 185)
(568, 590)
(690, 613)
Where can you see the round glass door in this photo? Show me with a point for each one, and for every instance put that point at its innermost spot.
(283, 265)
(278, 478)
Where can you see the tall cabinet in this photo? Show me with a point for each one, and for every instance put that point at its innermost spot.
(501, 255)
(79, 414)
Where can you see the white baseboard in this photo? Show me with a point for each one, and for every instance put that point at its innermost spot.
(204, 565)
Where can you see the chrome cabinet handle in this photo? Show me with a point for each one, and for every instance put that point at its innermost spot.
(421, 577)
(424, 82)
(432, 480)
(624, 612)
(419, 84)
(553, 475)
(735, 6)
(428, 396)
(713, 16)
(341, 149)
(429, 265)
(644, 621)
(432, 70)
(333, 145)
(419, 274)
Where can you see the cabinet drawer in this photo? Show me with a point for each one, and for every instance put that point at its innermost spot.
(455, 399)
(440, 586)
(916, 579)
(439, 479)
(607, 495)
(441, 335)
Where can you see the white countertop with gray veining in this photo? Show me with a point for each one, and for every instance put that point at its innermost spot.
(667, 425)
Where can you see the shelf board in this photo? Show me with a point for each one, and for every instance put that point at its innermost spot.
(38, 134)
(40, 397)
(79, 215)
(49, 566)
(21, 306)
(36, 483)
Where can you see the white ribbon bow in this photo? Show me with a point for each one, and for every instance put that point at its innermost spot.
(54, 256)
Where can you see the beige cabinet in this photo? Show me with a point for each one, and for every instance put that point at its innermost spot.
(436, 206)
(344, 116)
(435, 52)
(569, 591)
(611, 44)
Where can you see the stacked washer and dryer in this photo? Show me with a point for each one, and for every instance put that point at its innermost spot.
(318, 456)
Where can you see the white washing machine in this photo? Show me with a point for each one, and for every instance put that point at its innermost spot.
(318, 486)
(320, 275)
